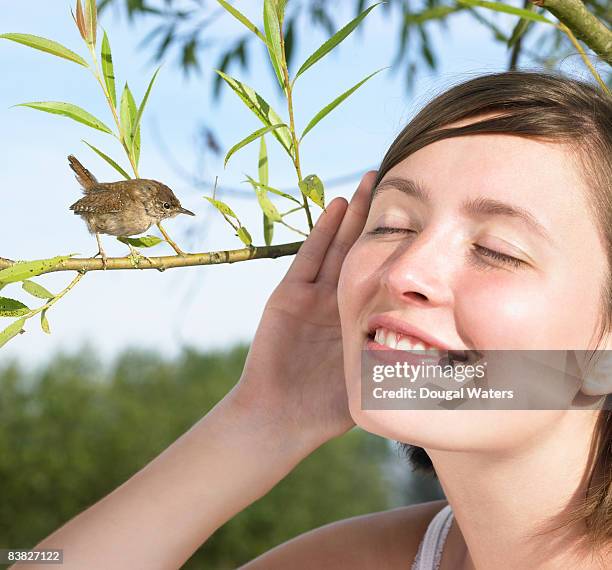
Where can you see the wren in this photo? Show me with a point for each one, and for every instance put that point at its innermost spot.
(124, 208)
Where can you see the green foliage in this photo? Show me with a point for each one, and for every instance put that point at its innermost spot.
(71, 111)
(142, 241)
(129, 117)
(108, 69)
(27, 269)
(331, 106)
(273, 30)
(335, 40)
(75, 430)
(276, 40)
(312, 187)
(11, 331)
(109, 160)
(48, 46)
(12, 308)
(499, 7)
(249, 139)
(36, 290)
(262, 110)
(243, 19)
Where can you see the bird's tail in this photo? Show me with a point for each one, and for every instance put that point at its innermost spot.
(85, 178)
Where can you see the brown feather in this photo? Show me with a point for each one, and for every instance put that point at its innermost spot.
(85, 178)
(100, 202)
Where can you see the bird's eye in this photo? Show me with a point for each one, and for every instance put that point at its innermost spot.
(167, 205)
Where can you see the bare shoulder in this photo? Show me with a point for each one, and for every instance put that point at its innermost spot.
(385, 540)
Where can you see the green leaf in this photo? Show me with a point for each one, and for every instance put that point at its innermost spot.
(435, 13)
(244, 236)
(36, 290)
(268, 229)
(519, 29)
(262, 163)
(128, 115)
(108, 70)
(247, 140)
(332, 42)
(261, 109)
(312, 188)
(222, 207)
(143, 241)
(273, 32)
(27, 269)
(329, 108)
(69, 110)
(499, 7)
(11, 331)
(48, 46)
(266, 205)
(44, 323)
(273, 190)
(109, 160)
(12, 308)
(143, 104)
(243, 19)
(91, 20)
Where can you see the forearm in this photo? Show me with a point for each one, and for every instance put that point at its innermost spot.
(162, 514)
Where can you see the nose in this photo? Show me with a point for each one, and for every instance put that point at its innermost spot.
(420, 270)
(185, 211)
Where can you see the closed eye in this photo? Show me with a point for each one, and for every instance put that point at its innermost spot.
(481, 251)
(387, 230)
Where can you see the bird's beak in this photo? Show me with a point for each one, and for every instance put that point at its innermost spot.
(185, 211)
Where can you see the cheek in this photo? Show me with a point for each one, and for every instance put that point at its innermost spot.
(358, 282)
(525, 312)
(500, 310)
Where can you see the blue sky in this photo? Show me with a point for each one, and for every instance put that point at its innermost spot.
(204, 307)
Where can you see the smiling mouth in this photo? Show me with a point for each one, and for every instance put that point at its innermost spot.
(394, 340)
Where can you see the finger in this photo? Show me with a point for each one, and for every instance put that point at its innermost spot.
(309, 257)
(350, 229)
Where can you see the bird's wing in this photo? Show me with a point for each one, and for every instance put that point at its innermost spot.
(100, 202)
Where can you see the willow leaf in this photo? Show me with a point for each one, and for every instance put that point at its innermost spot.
(273, 33)
(108, 70)
(48, 46)
(11, 331)
(109, 160)
(499, 7)
(262, 163)
(243, 19)
(12, 308)
(247, 140)
(36, 290)
(332, 42)
(329, 108)
(261, 109)
(71, 111)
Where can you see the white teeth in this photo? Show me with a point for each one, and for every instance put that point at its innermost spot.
(404, 344)
(397, 341)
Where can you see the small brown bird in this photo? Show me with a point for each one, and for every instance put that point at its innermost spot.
(124, 208)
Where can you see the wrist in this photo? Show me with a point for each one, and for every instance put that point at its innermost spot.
(275, 425)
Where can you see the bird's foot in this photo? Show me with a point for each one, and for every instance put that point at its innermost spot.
(102, 255)
(136, 256)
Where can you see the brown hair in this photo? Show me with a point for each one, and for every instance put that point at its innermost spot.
(550, 108)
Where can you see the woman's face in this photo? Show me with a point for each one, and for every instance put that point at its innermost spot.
(424, 259)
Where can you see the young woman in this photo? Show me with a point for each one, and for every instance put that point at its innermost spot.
(489, 226)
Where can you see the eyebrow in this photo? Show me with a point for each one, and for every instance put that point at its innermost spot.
(480, 206)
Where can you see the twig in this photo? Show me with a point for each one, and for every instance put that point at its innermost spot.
(172, 261)
(583, 24)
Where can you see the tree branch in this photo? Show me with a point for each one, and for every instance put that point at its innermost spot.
(583, 24)
(171, 261)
